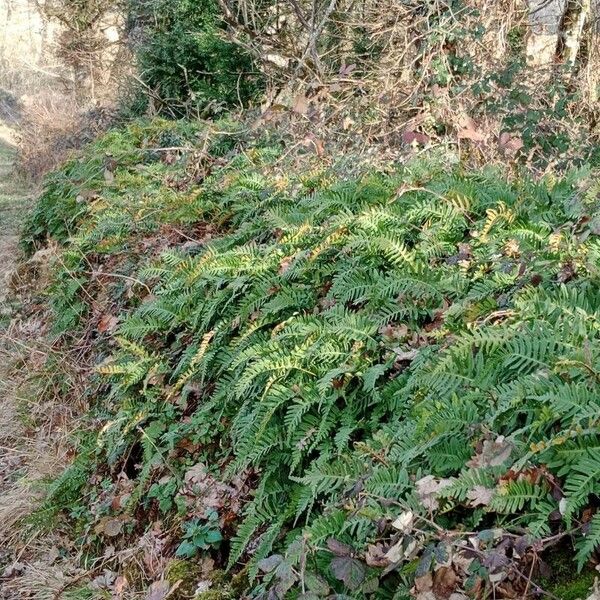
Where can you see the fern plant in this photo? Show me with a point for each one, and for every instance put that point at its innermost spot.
(341, 341)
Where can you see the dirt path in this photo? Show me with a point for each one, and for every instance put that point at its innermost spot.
(19, 446)
(14, 202)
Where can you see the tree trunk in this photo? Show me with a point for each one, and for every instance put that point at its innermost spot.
(545, 18)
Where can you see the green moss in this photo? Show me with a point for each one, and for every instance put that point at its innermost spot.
(185, 571)
(565, 583)
(212, 595)
(225, 586)
(577, 588)
(239, 582)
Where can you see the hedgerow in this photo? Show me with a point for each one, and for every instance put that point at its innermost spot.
(184, 59)
(362, 384)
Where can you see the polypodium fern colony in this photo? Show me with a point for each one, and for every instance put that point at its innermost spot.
(419, 344)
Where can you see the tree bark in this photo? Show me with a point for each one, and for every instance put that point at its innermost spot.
(545, 17)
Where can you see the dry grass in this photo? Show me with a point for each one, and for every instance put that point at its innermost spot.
(35, 420)
(54, 125)
(13, 196)
(36, 425)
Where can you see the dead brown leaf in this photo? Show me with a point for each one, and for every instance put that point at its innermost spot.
(109, 176)
(284, 265)
(300, 104)
(567, 272)
(415, 137)
(107, 323)
(468, 130)
(445, 581)
(510, 142)
(424, 583)
(376, 556)
(109, 527)
(159, 590)
(492, 454)
(480, 496)
(394, 332)
(121, 584)
(428, 488)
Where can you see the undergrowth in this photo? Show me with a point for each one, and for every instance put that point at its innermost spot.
(360, 384)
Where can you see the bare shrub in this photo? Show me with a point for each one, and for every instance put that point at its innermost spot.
(88, 43)
(53, 125)
(396, 74)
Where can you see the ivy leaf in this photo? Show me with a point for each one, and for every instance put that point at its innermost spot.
(286, 579)
(186, 550)
(213, 536)
(441, 553)
(370, 586)
(348, 570)
(425, 562)
(266, 565)
(316, 584)
(488, 535)
(338, 548)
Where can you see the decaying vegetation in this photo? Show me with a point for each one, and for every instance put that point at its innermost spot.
(319, 317)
